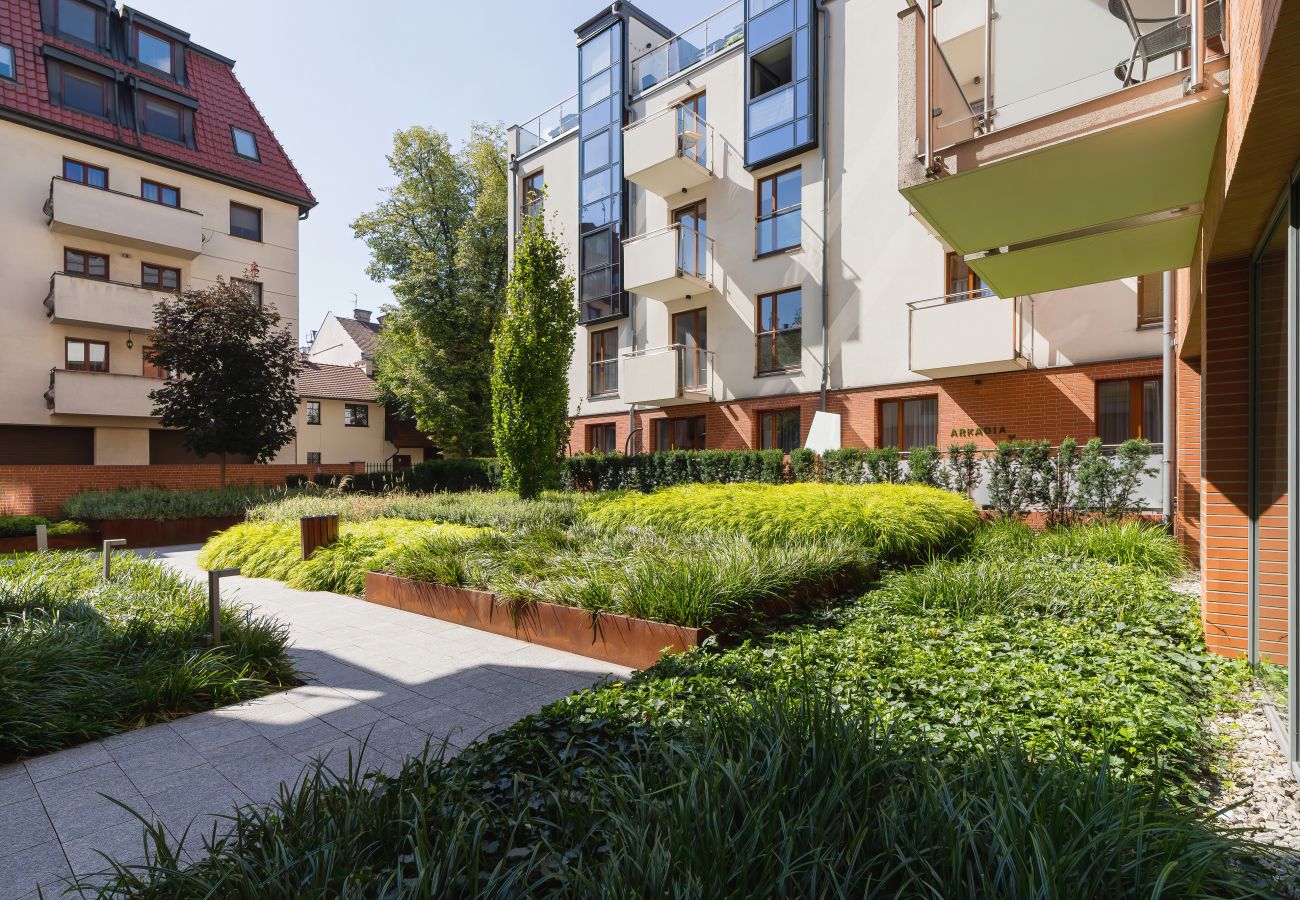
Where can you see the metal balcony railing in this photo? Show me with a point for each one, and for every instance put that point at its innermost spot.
(671, 372)
(693, 249)
(724, 29)
(554, 123)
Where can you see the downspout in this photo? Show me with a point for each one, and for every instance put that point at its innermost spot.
(824, 76)
(1167, 423)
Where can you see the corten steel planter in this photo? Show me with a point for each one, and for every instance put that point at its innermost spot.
(317, 532)
(636, 643)
(82, 541)
(140, 533)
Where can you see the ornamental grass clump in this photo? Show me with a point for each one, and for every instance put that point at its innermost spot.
(478, 509)
(895, 523)
(82, 658)
(160, 503)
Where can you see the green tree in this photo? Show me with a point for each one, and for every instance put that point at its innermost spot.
(530, 374)
(234, 367)
(440, 236)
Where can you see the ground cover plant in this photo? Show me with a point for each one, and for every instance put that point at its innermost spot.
(273, 550)
(163, 503)
(1013, 723)
(479, 509)
(82, 658)
(895, 523)
(25, 526)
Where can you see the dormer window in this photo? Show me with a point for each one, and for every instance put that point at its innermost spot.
(166, 120)
(79, 21)
(8, 68)
(154, 51)
(245, 143)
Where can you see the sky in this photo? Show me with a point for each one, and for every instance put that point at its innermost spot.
(335, 80)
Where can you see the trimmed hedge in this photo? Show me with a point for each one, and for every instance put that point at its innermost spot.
(20, 526)
(441, 475)
(896, 523)
(163, 503)
(593, 472)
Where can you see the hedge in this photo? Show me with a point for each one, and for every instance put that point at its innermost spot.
(647, 471)
(444, 475)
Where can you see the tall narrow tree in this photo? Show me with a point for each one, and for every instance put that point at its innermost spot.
(233, 367)
(530, 375)
(440, 237)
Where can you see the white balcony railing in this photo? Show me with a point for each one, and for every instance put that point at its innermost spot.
(74, 300)
(971, 333)
(76, 393)
(669, 151)
(670, 263)
(79, 209)
(661, 376)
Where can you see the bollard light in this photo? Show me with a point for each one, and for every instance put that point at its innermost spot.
(109, 546)
(42, 538)
(214, 603)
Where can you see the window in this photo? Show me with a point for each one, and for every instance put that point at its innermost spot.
(85, 356)
(356, 415)
(85, 173)
(87, 265)
(692, 131)
(1150, 298)
(779, 223)
(165, 120)
(692, 226)
(680, 434)
(160, 278)
(909, 423)
(80, 90)
(151, 369)
(602, 438)
(533, 195)
(155, 192)
(1129, 408)
(961, 279)
(245, 221)
(780, 330)
(79, 21)
(771, 69)
(245, 143)
(313, 458)
(155, 51)
(778, 429)
(691, 334)
(8, 66)
(254, 288)
(313, 412)
(780, 82)
(604, 362)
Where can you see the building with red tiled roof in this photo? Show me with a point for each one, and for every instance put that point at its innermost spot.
(134, 163)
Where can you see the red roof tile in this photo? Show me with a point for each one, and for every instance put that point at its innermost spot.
(334, 382)
(222, 102)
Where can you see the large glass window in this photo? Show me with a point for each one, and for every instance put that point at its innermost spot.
(533, 191)
(692, 225)
(691, 335)
(79, 89)
(908, 423)
(602, 438)
(313, 412)
(779, 429)
(780, 331)
(166, 120)
(780, 91)
(601, 178)
(245, 143)
(780, 212)
(962, 280)
(356, 415)
(1150, 300)
(681, 434)
(79, 21)
(604, 362)
(154, 50)
(1129, 408)
(155, 192)
(160, 278)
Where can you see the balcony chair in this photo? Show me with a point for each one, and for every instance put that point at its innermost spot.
(1171, 34)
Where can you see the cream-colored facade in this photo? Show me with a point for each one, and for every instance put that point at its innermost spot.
(334, 441)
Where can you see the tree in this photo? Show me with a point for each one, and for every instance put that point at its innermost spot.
(232, 389)
(530, 374)
(441, 237)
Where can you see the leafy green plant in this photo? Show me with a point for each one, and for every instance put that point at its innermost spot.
(803, 464)
(923, 467)
(162, 503)
(1141, 544)
(848, 465)
(594, 472)
(964, 470)
(884, 465)
(1108, 485)
(68, 526)
(20, 526)
(1059, 491)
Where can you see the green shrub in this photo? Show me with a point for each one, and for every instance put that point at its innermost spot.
(923, 467)
(647, 471)
(81, 658)
(848, 465)
(68, 526)
(803, 464)
(20, 526)
(896, 523)
(161, 503)
(478, 509)
(273, 550)
(964, 471)
(884, 465)
(1108, 484)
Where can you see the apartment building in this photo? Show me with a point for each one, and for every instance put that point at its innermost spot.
(134, 164)
(728, 198)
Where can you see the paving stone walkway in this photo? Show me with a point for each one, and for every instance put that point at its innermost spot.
(392, 679)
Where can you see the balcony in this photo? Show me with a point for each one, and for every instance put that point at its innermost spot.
(718, 33)
(550, 126)
(972, 333)
(73, 300)
(673, 263)
(83, 211)
(1065, 143)
(663, 376)
(669, 151)
(75, 393)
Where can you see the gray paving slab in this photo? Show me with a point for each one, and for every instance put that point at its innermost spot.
(379, 683)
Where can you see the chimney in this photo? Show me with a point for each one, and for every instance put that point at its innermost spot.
(361, 315)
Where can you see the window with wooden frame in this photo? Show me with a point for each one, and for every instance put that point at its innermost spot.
(779, 429)
(356, 415)
(157, 192)
(780, 331)
(533, 193)
(1130, 408)
(692, 129)
(164, 119)
(908, 422)
(960, 280)
(1150, 301)
(85, 356)
(779, 226)
(85, 173)
(603, 362)
(79, 89)
(253, 288)
(151, 369)
(602, 438)
(686, 433)
(313, 412)
(245, 221)
(160, 278)
(85, 264)
(692, 224)
(154, 51)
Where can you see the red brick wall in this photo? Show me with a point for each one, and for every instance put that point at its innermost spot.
(41, 490)
(1187, 485)
(1047, 404)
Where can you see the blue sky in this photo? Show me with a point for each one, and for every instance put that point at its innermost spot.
(336, 79)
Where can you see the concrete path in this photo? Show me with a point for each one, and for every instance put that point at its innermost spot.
(373, 673)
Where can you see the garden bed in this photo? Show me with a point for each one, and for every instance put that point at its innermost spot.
(140, 533)
(83, 540)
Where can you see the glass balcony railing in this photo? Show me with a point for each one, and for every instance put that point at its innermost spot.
(559, 120)
(998, 63)
(719, 31)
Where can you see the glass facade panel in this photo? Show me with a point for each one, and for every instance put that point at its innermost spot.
(767, 26)
(600, 165)
(780, 73)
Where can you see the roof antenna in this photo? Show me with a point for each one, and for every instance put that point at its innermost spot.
(355, 301)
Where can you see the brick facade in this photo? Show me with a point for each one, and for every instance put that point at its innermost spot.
(1187, 480)
(1049, 404)
(41, 490)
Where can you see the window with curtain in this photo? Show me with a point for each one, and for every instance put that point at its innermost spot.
(778, 429)
(910, 422)
(604, 362)
(602, 438)
(680, 434)
(1129, 408)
